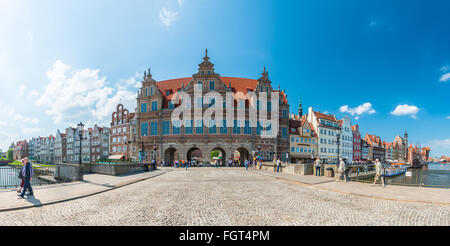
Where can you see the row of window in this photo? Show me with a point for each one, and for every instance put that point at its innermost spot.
(119, 149)
(302, 150)
(119, 130)
(302, 140)
(200, 130)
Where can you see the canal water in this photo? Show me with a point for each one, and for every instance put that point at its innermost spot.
(431, 175)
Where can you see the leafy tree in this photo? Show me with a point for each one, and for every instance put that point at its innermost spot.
(10, 155)
(215, 153)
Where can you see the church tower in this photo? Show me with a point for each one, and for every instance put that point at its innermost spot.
(300, 109)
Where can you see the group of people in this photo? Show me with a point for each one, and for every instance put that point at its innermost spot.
(26, 175)
(343, 170)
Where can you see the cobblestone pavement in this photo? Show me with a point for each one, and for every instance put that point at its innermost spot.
(208, 196)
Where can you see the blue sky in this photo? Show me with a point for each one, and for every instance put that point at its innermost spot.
(344, 57)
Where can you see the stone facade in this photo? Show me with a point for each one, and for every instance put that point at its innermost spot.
(158, 138)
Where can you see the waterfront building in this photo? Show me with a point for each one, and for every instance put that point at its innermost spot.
(158, 138)
(86, 146)
(71, 137)
(356, 143)
(426, 154)
(376, 150)
(326, 127)
(60, 147)
(414, 154)
(31, 148)
(389, 151)
(100, 143)
(41, 150)
(303, 140)
(364, 150)
(346, 139)
(49, 150)
(400, 148)
(123, 134)
(20, 150)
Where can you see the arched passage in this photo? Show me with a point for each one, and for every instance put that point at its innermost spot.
(195, 155)
(241, 154)
(219, 153)
(170, 155)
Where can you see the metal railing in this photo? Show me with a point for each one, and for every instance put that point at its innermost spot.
(412, 177)
(9, 177)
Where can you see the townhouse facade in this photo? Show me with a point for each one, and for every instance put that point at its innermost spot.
(346, 139)
(100, 143)
(123, 134)
(60, 147)
(357, 149)
(326, 127)
(375, 147)
(303, 140)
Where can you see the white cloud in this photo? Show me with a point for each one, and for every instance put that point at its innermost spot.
(167, 16)
(71, 96)
(405, 109)
(443, 144)
(365, 108)
(180, 2)
(445, 77)
(33, 130)
(22, 90)
(25, 119)
(3, 123)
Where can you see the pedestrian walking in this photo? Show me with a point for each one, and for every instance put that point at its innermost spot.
(341, 170)
(260, 164)
(318, 165)
(278, 165)
(27, 173)
(22, 182)
(378, 172)
(246, 164)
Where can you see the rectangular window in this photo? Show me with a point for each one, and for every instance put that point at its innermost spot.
(199, 127)
(247, 128)
(171, 105)
(154, 106)
(211, 85)
(292, 149)
(176, 130)
(154, 128)
(200, 85)
(188, 127)
(223, 128)
(284, 132)
(236, 128)
(212, 127)
(166, 127)
(269, 106)
(144, 129)
(143, 107)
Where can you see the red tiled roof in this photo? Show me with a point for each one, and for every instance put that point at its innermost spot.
(325, 116)
(238, 84)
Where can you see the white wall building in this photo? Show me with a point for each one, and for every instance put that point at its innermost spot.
(325, 126)
(346, 140)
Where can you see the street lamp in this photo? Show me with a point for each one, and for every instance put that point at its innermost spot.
(338, 136)
(128, 149)
(259, 151)
(80, 135)
(141, 151)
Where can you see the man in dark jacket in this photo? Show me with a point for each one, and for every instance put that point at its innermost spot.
(27, 173)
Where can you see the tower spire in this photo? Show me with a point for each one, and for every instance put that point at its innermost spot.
(300, 109)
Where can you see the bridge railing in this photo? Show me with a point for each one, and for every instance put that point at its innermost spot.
(9, 177)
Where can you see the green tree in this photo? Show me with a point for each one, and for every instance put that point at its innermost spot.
(10, 155)
(215, 153)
